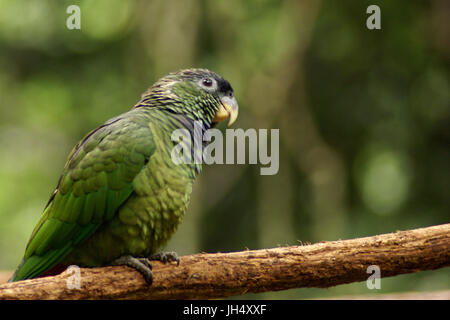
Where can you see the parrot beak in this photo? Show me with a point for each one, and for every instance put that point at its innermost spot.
(228, 110)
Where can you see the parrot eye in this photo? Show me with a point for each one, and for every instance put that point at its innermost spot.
(207, 82)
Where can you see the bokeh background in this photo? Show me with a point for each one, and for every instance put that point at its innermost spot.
(364, 115)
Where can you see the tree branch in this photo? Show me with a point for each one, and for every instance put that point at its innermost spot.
(433, 295)
(219, 275)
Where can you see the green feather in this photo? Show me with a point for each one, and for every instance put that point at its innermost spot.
(88, 201)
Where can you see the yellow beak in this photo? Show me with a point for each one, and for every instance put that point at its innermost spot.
(229, 109)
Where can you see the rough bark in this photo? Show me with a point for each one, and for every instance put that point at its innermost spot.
(433, 295)
(219, 275)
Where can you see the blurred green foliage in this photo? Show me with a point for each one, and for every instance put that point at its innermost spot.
(363, 114)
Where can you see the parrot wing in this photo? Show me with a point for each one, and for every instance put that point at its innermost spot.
(97, 179)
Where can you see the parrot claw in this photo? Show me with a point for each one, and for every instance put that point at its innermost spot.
(142, 265)
(146, 262)
(165, 257)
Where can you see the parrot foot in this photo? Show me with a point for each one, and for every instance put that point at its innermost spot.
(165, 257)
(142, 265)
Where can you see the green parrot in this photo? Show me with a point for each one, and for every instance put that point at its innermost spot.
(120, 196)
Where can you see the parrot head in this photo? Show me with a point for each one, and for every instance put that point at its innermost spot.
(198, 94)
